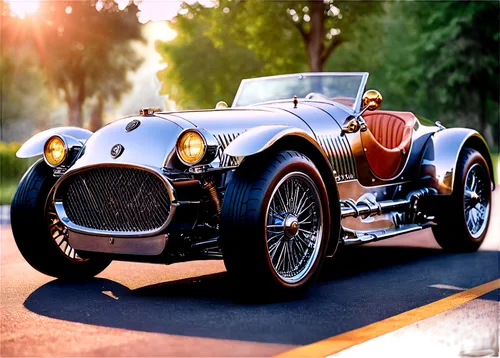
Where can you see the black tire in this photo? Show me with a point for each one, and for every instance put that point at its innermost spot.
(244, 223)
(30, 226)
(452, 231)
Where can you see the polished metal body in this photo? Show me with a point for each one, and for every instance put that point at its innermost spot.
(327, 131)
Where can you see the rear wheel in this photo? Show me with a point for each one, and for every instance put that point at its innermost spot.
(39, 234)
(275, 223)
(464, 220)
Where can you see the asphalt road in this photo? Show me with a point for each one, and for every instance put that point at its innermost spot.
(189, 309)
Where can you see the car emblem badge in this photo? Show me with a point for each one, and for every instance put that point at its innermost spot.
(117, 150)
(132, 125)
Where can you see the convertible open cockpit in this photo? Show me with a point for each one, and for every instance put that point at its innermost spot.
(389, 137)
(298, 166)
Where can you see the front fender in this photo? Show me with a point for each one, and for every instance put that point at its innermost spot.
(258, 139)
(441, 154)
(33, 147)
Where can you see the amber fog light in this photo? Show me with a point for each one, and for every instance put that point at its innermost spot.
(55, 151)
(191, 147)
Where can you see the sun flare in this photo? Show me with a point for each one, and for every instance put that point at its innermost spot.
(21, 8)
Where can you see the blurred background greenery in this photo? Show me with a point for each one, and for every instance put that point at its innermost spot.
(88, 62)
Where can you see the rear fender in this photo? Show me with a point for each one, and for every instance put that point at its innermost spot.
(33, 147)
(440, 157)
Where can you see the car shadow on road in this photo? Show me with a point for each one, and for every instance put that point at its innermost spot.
(364, 285)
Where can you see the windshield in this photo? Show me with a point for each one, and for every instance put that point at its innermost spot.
(344, 88)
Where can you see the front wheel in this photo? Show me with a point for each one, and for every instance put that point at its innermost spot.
(463, 221)
(39, 234)
(275, 223)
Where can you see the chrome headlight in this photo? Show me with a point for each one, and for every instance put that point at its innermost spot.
(196, 146)
(55, 151)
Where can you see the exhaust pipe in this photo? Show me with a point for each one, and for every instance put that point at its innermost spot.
(366, 207)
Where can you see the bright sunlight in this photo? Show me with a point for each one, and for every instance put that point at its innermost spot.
(21, 8)
(149, 10)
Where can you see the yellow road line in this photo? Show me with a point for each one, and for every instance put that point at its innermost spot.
(346, 340)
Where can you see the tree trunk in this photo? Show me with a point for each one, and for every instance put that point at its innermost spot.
(314, 43)
(96, 115)
(75, 113)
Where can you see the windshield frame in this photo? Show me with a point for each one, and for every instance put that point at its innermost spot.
(357, 103)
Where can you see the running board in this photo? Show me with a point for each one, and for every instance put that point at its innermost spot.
(377, 235)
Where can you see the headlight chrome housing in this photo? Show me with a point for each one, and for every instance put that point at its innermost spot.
(55, 151)
(196, 146)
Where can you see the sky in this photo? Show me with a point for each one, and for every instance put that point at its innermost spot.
(154, 10)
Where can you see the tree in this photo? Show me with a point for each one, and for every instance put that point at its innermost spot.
(457, 65)
(83, 52)
(217, 47)
(200, 69)
(314, 27)
(436, 59)
(20, 76)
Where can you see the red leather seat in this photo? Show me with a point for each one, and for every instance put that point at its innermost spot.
(387, 141)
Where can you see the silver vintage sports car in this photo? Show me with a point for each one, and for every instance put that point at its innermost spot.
(299, 166)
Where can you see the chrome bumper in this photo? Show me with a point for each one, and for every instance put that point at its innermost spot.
(144, 246)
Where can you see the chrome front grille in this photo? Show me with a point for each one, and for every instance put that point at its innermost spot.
(224, 140)
(340, 156)
(115, 199)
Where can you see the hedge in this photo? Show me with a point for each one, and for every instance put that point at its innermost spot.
(12, 168)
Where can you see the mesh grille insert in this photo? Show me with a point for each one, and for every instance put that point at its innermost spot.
(116, 199)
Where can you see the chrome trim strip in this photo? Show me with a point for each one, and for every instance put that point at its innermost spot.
(147, 246)
(359, 97)
(339, 156)
(382, 234)
(186, 202)
(61, 212)
(224, 140)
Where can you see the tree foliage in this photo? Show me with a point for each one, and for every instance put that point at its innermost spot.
(458, 51)
(437, 59)
(200, 69)
(24, 103)
(307, 31)
(217, 47)
(84, 53)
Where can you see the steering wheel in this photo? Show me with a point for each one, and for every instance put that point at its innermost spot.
(311, 95)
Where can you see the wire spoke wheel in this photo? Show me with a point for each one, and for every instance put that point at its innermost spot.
(476, 200)
(294, 226)
(58, 231)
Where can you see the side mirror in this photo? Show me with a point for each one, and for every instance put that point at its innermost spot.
(221, 105)
(372, 99)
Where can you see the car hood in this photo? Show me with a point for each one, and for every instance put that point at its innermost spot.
(235, 121)
(152, 143)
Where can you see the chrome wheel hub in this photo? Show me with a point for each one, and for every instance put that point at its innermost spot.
(476, 200)
(291, 226)
(58, 231)
(294, 227)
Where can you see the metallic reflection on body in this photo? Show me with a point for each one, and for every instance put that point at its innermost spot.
(327, 130)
